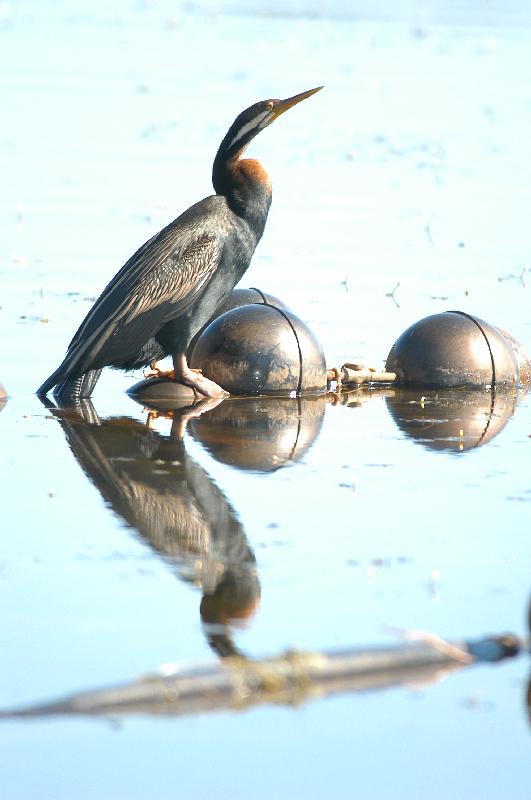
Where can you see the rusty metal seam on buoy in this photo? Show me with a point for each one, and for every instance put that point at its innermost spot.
(476, 323)
(280, 311)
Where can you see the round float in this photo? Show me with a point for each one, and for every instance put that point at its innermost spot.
(261, 350)
(162, 394)
(455, 349)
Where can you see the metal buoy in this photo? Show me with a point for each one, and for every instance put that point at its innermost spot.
(455, 349)
(261, 350)
(260, 434)
(162, 393)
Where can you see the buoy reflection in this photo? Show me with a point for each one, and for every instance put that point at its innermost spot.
(452, 419)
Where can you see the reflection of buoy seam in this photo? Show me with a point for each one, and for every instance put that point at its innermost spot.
(492, 393)
(299, 420)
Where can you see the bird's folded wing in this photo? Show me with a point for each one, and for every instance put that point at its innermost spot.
(168, 271)
(178, 280)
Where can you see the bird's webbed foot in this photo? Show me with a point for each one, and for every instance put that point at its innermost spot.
(193, 378)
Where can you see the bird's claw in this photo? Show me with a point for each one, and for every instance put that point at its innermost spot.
(203, 386)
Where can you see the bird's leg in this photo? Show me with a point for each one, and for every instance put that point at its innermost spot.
(193, 378)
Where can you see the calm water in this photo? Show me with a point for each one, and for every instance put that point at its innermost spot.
(411, 168)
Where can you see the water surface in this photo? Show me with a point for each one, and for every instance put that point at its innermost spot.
(410, 170)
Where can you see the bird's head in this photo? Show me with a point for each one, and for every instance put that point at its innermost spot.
(253, 120)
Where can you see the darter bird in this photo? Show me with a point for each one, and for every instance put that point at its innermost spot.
(170, 288)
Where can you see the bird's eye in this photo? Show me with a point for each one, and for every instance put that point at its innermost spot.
(270, 105)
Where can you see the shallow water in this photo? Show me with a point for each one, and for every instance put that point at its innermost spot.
(410, 169)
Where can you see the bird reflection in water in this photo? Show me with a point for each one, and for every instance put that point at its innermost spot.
(153, 483)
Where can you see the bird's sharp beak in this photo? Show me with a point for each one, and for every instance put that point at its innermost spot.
(283, 105)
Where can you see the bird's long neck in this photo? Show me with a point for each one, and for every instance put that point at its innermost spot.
(246, 185)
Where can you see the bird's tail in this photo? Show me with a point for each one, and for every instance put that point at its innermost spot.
(52, 381)
(70, 389)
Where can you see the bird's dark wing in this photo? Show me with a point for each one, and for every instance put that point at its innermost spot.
(168, 272)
